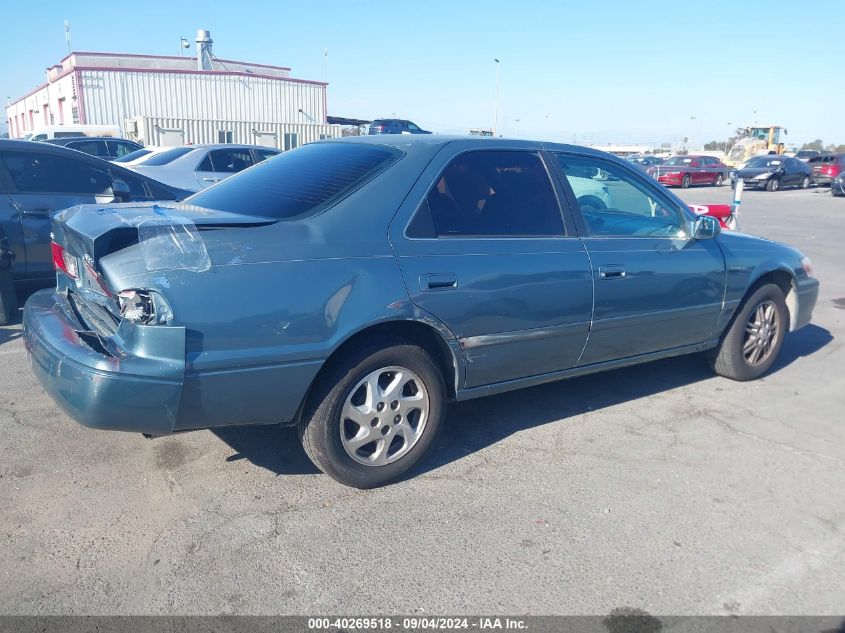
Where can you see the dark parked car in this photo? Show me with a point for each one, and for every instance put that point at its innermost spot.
(644, 162)
(102, 147)
(837, 185)
(37, 179)
(354, 287)
(773, 172)
(805, 155)
(395, 126)
(826, 167)
(685, 171)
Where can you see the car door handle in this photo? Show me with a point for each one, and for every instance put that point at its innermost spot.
(611, 272)
(212, 179)
(438, 281)
(41, 213)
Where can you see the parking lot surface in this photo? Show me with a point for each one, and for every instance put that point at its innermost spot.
(659, 487)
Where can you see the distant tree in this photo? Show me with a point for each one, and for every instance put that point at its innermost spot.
(835, 149)
(817, 145)
(714, 146)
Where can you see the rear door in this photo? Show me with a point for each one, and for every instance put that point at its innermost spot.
(10, 226)
(655, 288)
(43, 182)
(483, 247)
(219, 164)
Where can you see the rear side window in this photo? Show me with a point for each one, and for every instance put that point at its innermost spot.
(300, 182)
(490, 194)
(229, 161)
(49, 173)
(167, 156)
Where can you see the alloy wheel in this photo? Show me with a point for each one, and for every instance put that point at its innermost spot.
(761, 333)
(384, 416)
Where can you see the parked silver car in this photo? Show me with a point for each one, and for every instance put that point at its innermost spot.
(195, 167)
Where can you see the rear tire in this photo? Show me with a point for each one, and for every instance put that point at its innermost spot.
(685, 182)
(772, 184)
(393, 398)
(752, 342)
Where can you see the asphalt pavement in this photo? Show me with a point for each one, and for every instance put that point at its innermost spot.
(659, 487)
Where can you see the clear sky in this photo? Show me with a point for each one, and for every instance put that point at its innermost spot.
(592, 72)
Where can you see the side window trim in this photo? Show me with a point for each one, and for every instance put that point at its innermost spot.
(545, 160)
(648, 187)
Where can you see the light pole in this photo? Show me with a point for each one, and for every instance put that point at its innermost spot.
(691, 144)
(496, 108)
(729, 124)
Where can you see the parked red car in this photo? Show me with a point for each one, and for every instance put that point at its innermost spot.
(827, 167)
(685, 171)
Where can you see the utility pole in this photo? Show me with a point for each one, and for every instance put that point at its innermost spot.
(496, 109)
(67, 36)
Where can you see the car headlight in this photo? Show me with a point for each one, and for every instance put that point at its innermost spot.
(670, 173)
(807, 265)
(763, 176)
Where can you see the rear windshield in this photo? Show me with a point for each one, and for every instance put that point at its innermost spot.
(132, 155)
(298, 182)
(167, 157)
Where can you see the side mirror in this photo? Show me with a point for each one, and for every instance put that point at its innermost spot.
(706, 227)
(120, 191)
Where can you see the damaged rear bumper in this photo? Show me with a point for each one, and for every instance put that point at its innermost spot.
(137, 389)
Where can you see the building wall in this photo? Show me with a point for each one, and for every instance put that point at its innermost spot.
(110, 97)
(124, 87)
(157, 131)
(51, 104)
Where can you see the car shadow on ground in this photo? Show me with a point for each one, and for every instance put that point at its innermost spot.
(11, 330)
(476, 424)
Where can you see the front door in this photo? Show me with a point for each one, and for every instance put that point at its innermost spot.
(483, 247)
(655, 288)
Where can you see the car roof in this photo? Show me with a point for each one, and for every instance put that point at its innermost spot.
(70, 139)
(420, 143)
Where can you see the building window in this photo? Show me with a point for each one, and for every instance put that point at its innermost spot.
(62, 111)
(46, 111)
(291, 140)
(31, 120)
(224, 136)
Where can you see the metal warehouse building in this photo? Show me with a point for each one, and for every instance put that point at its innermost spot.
(163, 100)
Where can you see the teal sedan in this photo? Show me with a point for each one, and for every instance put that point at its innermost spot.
(353, 288)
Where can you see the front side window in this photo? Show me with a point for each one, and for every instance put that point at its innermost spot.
(298, 183)
(412, 127)
(490, 194)
(614, 203)
(47, 173)
(94, 148)
(264, 154)
(119, 149)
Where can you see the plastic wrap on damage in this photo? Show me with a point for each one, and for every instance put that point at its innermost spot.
(172, 244)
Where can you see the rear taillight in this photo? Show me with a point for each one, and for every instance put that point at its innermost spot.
(834, 170)
(64, 261)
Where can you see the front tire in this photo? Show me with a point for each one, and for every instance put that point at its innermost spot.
(753, 340)
(374, 414)
(719, 181)
(805, 184)
(772, 184)
(685, 182)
